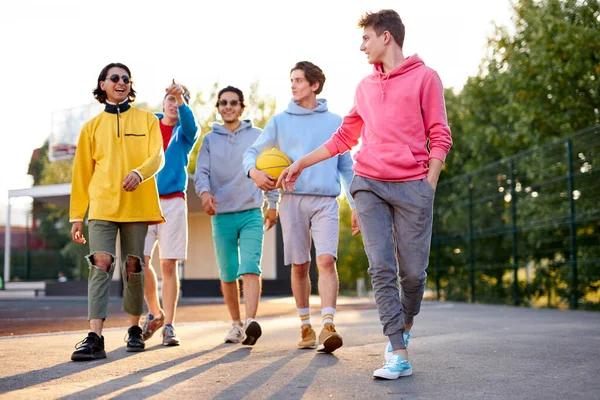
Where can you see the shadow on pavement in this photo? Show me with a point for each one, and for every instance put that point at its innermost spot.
(254, 381)
(32, 378)
(160, 386)
(117, 384)
(302, 381)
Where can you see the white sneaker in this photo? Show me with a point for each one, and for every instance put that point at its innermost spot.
(235, 335)
(394, 368)
(388, 352)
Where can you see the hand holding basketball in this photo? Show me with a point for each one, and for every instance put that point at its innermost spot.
(263, 180)
(273, 162)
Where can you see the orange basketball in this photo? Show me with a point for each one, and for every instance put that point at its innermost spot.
(273, 162)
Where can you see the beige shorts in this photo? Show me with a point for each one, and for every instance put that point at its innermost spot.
(172, 236)
(305, 216)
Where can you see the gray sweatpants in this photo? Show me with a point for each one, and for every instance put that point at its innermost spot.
(395, 220)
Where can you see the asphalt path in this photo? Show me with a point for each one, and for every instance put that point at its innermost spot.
(458, 351)
(50, 314)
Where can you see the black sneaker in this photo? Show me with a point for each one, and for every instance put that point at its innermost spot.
(135, 343)
(90, 348)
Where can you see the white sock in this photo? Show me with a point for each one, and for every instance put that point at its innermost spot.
(327, 314)
(304, 314)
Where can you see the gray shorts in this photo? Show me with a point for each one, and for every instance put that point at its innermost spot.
(302, 216)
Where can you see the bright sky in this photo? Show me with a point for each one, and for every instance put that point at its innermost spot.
(53, 50)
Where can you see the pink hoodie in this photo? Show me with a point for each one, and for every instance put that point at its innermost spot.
(395, 114)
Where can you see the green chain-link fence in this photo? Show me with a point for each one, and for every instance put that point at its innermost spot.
(524, 230)
(38, 265)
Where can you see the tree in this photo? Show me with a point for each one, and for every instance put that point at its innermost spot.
(49, 221)
(352, 260)
(537, 83)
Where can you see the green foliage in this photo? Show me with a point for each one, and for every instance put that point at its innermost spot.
(205, 112)
(75, 254)
(57, 172)
(51, 225)
(37, 265)
(155, 108)
(539, 82)
(259, 109)
(352, 262)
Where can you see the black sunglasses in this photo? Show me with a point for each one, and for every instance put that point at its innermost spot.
(115, 78)
(232, 103)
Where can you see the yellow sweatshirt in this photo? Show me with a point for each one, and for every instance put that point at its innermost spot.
(110, 146)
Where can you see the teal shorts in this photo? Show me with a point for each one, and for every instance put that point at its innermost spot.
(238, 239)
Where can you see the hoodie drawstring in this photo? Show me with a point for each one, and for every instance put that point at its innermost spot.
(382, 83)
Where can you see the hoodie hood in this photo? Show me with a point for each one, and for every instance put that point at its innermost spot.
(295, 109)
(297, 132)
(219, 169)
(409, 64)
(400, 127)
(221, 130)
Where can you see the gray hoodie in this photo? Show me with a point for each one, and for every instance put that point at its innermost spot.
(220, 169)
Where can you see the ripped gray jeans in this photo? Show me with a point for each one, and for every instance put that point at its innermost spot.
(103, 237)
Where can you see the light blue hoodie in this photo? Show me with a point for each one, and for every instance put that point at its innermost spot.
(220, 171)
(298, 131)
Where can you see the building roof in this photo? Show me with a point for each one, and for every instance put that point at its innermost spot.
(60, 194)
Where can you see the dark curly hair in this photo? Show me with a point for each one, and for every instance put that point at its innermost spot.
(234, 90)
(100, 94)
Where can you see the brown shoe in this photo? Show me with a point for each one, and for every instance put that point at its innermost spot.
(152, 324)
(329, 339)
(309, 338)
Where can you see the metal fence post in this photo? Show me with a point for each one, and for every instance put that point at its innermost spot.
(572, 228)
(7, 244)
(27, 250)
(515, 244)
(471, 239)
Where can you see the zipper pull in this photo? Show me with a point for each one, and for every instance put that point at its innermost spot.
(118, 121)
